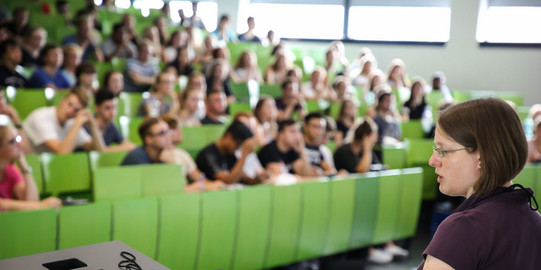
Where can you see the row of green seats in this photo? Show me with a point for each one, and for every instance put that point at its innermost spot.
(251, 228)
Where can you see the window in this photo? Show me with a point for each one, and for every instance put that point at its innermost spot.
(416, 21)
(509, 21)
(297, 19)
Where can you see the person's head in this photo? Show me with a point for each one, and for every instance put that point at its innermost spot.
(235, 135)
(35, 37)
(224, 22)
(51, 55)
(144, 51)
(155, 133)
(475, 152)
(174, 127)
(368, 64)
(72, 103)
(314, 128)
(73, 55)
(114, 81)
(247, 119)
(537, 126)
(376, 80)
(216, 102)
(251, 23)
(365, 129)
(152, 34)
(384, 100)
(194, 7)
(348, 110)
(330, 56)
(218, 53)
(10, 52)
(105, 105)
(197, 80)
(175, 41)
(165, 83)
(280, 63)
(289, 133)
(318, 75)
(128, 20)
(86, 74)
(438, 80)
(290, 89)
(219, 69)
(340, 85)
(20, 17)
(182, 55)
(247, 59)
(417, 89)
(397, 69)
(5, 33)
(62, 7)
(265, 110)
(10, 148)
(118, 33)
(84, 24)
(190, 99)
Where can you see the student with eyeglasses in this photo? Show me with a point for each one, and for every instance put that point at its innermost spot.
(156, 136)
(479, 149)
(18, 190)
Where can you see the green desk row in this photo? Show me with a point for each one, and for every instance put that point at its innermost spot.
(251, 228)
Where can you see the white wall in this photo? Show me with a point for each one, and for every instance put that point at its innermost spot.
(466, 64)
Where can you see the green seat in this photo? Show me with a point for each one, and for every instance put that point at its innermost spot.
(410, 203)
(460, 96)
(418, 151)
(178, 237)
(196, 138)
(412, 129)
(394, 157)
(27, 232)
(254, 206)
(101, 69)
(65, 173)
(314, 220)
(528, 177)
(390, 187)
(34, 162)
(130, 103)
(434, 98)
(365, 211)
(237, 48)
(105, 159)
(240, 90)
(135, 222)
(237, 107)
(82, 225)
(312, 106)
(218, 227)
(334, 110)
(511, 96)
(126, 182)
(273, 90)
(58, 96)
(129, 127)
(285, 224)
(119, 64)
(25, 101)
(342, 204)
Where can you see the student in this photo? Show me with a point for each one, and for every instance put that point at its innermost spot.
(10, 57)
(315, 127)
(49, 74)
(216, 106)
(218, 160)
(60, 129)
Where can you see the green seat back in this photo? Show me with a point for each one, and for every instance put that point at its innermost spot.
(27, 232)
(315, 218)
(237, 107)
(240, 90)
(418, 151)
(394, 157)
(58, 96)
(179, 230)
(237, 48)
(105, 159)
(129, 126)
(410, 203)
(25, 101)
(254, 206)
(65, 173)
(130, 103)
(162, 179)
(512, 96)
(365, 211)
(528, 177)
(196, 138)
(412, 129)
(273, 90)
(218, 226)
(342, 204)
(390, 186)
(81, 225)
(434, 98)
(135, 222)
(460, 96)
(34, 162)
(285, 224)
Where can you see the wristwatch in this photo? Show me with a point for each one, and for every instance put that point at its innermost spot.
(27, 170)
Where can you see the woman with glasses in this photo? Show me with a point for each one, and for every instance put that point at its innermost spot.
(477, 156)
(18, 190)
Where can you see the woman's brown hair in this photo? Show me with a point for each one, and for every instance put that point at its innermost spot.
(493, 128)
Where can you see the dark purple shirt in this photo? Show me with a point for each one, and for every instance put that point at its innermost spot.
(495, 231)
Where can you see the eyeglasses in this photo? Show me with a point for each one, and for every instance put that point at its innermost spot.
(442, 152)
(161, 133)
(16, 139)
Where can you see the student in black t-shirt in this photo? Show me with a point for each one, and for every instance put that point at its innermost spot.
(10, 57)
(357, 156)
(315, 127)
(286, 154)
(218, 160)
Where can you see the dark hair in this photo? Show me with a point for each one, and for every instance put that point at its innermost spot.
(286, 82)
(239, 132)
(211, 92)
(259, 105)
(85, 68)
(285, 123)
(171, 121)
(107, 76)
(493, 128)
(215, 52)
(46, 49)
(103, 95)
(8, 43)
(366, 128)
(144, 128)
(118, 26)
(313, 115)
